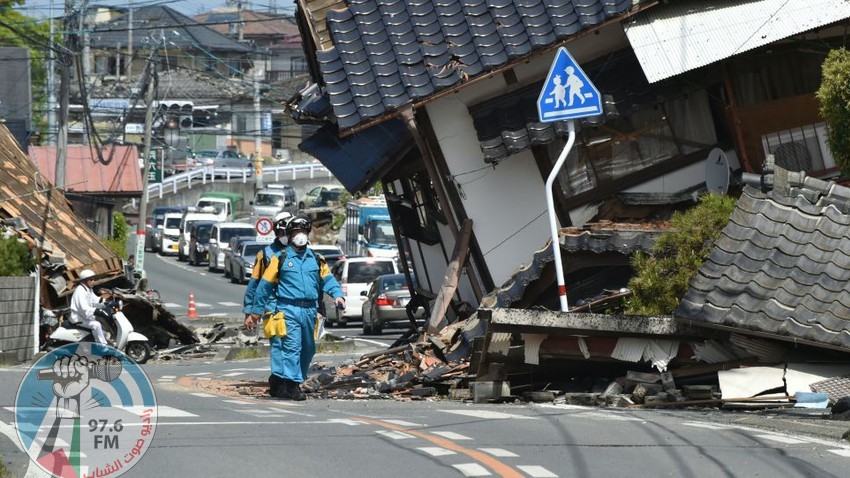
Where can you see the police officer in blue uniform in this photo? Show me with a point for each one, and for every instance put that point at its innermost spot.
(287, 296)
(260, 264)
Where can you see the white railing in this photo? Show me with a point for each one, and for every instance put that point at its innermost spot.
(172, 184)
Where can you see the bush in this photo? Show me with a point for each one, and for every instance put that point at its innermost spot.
(120, 233)
(15, 257)
(834, 98)
(662, 278)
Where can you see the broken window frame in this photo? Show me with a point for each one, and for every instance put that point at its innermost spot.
(813, 138)
(417, 196)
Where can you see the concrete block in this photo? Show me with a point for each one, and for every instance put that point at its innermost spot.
(584, 399)
(539, 397)
(620, 401)
(460, 394)
(483, 392)
(614, 388)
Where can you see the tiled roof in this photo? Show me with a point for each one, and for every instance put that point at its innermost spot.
(84, 173)
(782, 264)
(619, 238)
(388, 53)
(192, 35)
(28, 195)
(256, 24)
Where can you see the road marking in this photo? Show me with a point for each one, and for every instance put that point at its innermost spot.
(202, 304)
(230, 304)
(845, 453)
(172, 305)
(164, 411)
(395, 435)
(238, 402)
(709, 426)
(782, 439)
(345, 421)
(233, 374)
(499, 452)
(373, 342)
(203, 395)
(436, 451)
(609, 416)
(168, 377)
(452, 435)
(488, 415)
(198, 374)
(535, 471)
(472, 469)
(405, 424)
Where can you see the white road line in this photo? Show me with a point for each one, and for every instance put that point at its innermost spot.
(164, 411)
(345, 421)
(233, 374)
(373, 342)
(217, 314)
(257, 369)
(845, 453)
(202, 304)
(394, 435)
(168, 377)
(472, 469)
(255, 411)
(198, 374)
(709, 426)
(237, 402)
(535, 471)
(172, 305)
(452, 435)
(782, 439)
(488, 415)
(436, 451)
(609, 416)
(405, 424)
(230, 304)
(499, 452)
(203, 395)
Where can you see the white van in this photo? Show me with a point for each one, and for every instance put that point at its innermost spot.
(220, 236)
(274, 199)
(190, 217)
(354, 276)
(169, 239)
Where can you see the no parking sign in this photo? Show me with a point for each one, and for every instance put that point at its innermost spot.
(264, 228)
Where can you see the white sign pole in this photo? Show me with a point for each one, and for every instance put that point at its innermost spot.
(553, 219)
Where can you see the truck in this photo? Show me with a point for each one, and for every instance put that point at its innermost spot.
(367, 230)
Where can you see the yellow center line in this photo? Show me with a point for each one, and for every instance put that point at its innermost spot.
(495, 465)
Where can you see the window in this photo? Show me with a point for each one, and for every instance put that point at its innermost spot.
(416, 209)
(364, 272)
(297, 64)
(803, 148)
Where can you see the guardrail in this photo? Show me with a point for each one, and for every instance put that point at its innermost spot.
(206, 174)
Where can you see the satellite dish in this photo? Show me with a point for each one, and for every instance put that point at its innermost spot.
(717, 172)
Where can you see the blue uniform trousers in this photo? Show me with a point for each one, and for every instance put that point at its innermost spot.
(292, 354)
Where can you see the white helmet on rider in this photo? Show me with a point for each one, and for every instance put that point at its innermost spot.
(282, 215)
(86, 274)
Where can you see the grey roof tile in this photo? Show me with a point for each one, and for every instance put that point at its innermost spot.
(334, 77)
(415, 41)
(351, 121)
(342, 97)
(364, 79)
(364, 90)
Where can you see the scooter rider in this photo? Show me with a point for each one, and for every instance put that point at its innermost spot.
(84, 302)
(288, 296)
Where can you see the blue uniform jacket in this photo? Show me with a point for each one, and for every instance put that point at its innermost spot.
(260, 266)
(293, 275)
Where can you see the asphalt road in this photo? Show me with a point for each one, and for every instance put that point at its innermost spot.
(202, 434)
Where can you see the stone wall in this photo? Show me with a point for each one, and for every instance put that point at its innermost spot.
(17, 333)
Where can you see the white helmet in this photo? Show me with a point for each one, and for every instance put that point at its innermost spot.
(86, 274)
(282, 215)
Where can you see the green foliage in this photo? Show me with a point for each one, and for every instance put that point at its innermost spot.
(120, 233)
(662, 278)
(15, 257)
(339, 213)
(834, 98)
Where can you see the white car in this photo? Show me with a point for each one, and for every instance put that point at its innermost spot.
(354, 275)
(169, 240)
(220, 236)
(313, 194)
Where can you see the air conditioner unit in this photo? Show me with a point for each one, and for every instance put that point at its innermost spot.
(186, 121)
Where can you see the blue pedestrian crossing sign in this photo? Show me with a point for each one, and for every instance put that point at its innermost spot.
(567, 92)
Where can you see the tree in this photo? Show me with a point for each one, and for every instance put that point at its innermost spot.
(663, 277)
(15, 257)
(834, 98)
(120, 233)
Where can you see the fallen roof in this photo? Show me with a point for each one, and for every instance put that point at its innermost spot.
(683, 35)
(781, 267)
(389, 53)
(84, 173)
(25, 193)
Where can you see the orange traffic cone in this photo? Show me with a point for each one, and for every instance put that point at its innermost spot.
(193, 314)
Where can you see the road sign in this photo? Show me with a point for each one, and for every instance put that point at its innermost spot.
(154, 170)
(567, 92)
(264, 226)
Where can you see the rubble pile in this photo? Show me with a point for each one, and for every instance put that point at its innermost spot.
(208, 341)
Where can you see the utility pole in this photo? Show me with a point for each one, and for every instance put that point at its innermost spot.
(130, 42)
(51, 84)
(64, 94)
(150, 76)
(258, 126)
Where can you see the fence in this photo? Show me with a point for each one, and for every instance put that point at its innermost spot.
(207, 174)
(18, 320)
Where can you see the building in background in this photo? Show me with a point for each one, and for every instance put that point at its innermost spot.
(16, 93)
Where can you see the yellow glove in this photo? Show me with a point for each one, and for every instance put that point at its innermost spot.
(274, 325)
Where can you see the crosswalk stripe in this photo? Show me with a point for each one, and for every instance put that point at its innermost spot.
(233, 374)
(489, 415)
(198, 374)
(782, 439)
(229, 304)
(238, 402)
(452, 435)
(172, 305)
(472, 469)
(164, 411)
(394, 435)
(168, 377)
(535, 471)
(203, 395)
(202, 304)
(405, 424)
(436, 451)
(841, 452)
(499, 452)
(709, 426)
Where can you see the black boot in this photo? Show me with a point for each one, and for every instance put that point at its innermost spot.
(284, 390)
(295, 392)
(275, 383)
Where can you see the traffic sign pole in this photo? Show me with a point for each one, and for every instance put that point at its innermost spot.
(553, 219)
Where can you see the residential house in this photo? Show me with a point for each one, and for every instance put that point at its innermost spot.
(96, 184)
(437, 101)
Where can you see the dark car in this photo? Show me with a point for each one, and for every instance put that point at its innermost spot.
(385, 303)
(154, 224)
(199, 242)
(328, 198)
(242, 259)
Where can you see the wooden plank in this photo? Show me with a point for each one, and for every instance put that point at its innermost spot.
(451, 278)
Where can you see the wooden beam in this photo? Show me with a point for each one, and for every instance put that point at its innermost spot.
(447, 290)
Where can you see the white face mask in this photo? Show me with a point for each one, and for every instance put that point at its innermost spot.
(300, 240)
(283, 240)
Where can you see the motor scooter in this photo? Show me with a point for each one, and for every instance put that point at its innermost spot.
(132, 343)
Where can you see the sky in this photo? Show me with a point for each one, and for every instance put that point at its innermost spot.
(41, 8)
